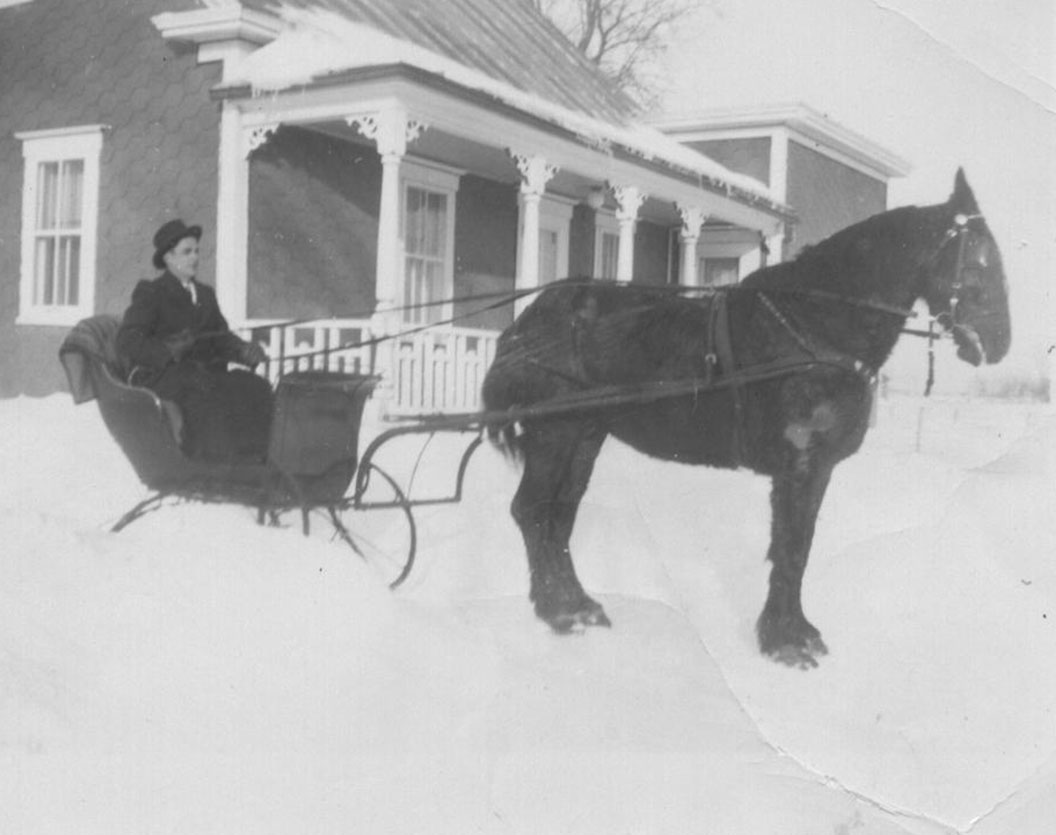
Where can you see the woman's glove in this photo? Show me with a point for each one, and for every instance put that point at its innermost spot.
(251, 354)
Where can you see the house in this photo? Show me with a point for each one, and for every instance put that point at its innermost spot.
(362, 168)
(830, 175)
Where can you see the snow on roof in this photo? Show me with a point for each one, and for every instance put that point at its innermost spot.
(318, 43)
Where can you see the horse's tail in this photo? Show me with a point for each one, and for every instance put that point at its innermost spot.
(497, 398)
(506, 437)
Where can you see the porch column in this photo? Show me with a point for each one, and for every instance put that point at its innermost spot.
(693, 218)
(391, 130)
(387, 272)
(776, 244)
(237, 143)
(629, 200)
(536, 172)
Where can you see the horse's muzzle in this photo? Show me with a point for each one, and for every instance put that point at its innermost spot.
(969, 345)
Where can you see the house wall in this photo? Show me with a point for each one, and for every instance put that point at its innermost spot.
(485, 248)
(749, 156)
(828, 195)
(313, 227)
(76, 62)
(581, 241)
(313, 224)
(651, 245)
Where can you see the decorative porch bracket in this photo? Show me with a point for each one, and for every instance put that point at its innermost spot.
(256, 136)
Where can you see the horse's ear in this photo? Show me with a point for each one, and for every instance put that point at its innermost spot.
(962, 199)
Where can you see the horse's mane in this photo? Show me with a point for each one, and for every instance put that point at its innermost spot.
(838, 260)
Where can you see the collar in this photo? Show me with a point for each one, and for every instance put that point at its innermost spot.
(189, 287)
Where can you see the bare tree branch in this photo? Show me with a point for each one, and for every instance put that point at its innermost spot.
(621, 37)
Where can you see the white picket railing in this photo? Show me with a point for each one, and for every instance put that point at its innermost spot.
(436, 370)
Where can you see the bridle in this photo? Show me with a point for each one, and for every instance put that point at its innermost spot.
(948, 320)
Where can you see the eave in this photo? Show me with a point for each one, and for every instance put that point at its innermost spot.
(803, 122)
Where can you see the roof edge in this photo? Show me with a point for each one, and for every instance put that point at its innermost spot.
(798, 117)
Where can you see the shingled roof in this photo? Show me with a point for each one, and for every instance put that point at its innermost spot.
(508, 40)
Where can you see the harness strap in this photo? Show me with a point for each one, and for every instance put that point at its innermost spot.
(825, 355)
(722, 347)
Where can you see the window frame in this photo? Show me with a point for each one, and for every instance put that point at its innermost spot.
(84, 143)
(605, 223)
(437, 180)
(723, 260)
(555, 215)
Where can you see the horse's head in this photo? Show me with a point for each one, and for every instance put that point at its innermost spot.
(966, 289)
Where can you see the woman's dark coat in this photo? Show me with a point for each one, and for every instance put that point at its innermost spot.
(227, 414)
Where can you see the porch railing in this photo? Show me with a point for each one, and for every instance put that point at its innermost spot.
(437, 370)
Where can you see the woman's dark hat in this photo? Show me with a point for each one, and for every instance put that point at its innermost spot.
(169, 235)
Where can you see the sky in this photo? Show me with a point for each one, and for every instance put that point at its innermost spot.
(942, 83)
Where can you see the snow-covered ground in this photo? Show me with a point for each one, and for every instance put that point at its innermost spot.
(200, 674)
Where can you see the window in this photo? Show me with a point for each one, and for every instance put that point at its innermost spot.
(428, 242)
(60, 201)
(554, 218)
(606, 246)
(715, 272)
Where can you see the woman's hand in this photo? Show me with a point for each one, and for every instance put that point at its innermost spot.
(252, 354)
(179, 344)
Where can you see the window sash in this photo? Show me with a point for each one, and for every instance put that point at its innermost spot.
(549, 248)
(425, 254)
(57, 237)
(610, 255)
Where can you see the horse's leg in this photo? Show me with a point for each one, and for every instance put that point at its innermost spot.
(558, 462)
(784, 632)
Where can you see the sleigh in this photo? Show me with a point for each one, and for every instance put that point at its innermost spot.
(311, 467)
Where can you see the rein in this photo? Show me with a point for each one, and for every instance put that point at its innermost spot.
(946, 321)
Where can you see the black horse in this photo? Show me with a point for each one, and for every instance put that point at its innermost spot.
(775, 375)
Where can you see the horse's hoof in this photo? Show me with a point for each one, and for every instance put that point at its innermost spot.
(577, 620)
(796, 646)
(816, 646)
(799, 656)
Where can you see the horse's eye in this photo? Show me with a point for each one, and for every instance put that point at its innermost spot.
(982, 255)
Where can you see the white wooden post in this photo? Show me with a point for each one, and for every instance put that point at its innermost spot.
(629, 200)
(536, 172)
(693, 218)
(391, 130)
(237, 142)
(387, 277)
